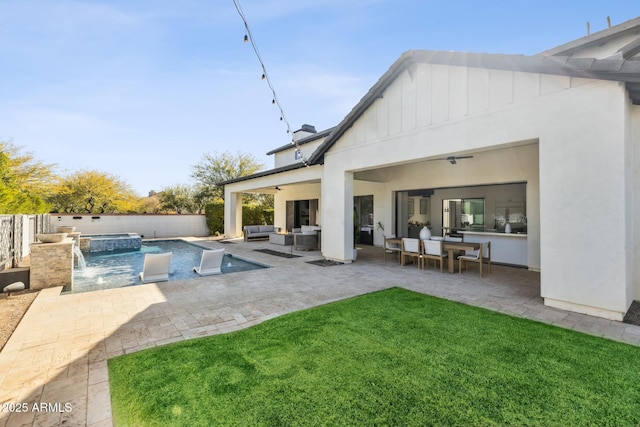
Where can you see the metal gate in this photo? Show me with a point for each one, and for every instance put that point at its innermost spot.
(15, 231)
(6, 239)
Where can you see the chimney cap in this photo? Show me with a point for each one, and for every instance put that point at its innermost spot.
(308, 128)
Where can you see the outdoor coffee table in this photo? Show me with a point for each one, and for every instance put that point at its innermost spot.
(281, 239)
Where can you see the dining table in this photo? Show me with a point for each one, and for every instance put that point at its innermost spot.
(450, 247)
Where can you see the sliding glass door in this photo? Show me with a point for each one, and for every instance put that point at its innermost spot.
(301, 212)
(363, 220)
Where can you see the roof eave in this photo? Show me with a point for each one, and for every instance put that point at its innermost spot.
(302, 141)
(261, 174)
(595, 38)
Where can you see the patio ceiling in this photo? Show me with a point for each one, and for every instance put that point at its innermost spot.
(386, 173)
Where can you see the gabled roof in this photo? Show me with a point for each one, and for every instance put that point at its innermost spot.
(302, 141)
(630, 50)
(555, 61)
(603, 69)
(632, 26)
(286, 168)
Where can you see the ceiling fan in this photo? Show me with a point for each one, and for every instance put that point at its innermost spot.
(452, 159)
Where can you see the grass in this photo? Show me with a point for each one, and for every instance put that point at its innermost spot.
(393, 357)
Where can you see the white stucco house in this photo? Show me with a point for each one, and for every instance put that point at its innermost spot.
(463, 140)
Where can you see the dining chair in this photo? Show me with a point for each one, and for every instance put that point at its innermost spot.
(411, 248)
(432, 249)
(474, 256)
(391, 247)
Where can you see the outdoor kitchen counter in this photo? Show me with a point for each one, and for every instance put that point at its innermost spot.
(506, 248)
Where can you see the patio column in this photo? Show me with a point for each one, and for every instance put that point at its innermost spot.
(232, 214)
(337, 215)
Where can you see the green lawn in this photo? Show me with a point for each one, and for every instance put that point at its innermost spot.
(388, 358)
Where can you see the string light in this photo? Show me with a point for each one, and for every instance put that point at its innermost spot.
(248, 38)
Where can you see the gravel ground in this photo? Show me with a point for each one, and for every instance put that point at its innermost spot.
(12, 309)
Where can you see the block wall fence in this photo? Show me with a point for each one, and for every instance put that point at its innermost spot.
(149, 226)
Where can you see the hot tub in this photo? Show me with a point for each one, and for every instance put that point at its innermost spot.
(110, 242)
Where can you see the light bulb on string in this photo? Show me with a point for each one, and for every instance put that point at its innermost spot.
(248, 38)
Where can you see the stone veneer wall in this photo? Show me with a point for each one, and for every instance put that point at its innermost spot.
(52, 265)
(84, 243)
(123, 243)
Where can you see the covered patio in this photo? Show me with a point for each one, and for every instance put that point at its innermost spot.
(547, 122)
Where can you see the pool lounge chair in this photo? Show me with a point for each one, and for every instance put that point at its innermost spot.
(211, 262)
(156, 268)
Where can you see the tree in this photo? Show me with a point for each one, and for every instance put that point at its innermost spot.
(150, 204)
(24, 182)
(200, 199)
(178, 198)
(93, 192)
(215, 168)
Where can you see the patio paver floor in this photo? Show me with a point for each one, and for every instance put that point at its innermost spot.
(59, 352)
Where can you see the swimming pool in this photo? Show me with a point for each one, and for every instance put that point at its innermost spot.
(115, 269)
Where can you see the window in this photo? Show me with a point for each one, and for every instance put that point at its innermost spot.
(472, 212)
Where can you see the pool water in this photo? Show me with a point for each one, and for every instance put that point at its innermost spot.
(116, 269)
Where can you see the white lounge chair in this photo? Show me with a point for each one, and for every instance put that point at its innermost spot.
(156, 267)
(211, 262)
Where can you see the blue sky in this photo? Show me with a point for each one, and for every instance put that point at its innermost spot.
(142, 88)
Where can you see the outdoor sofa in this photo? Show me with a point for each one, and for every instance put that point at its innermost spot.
(254, 232)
